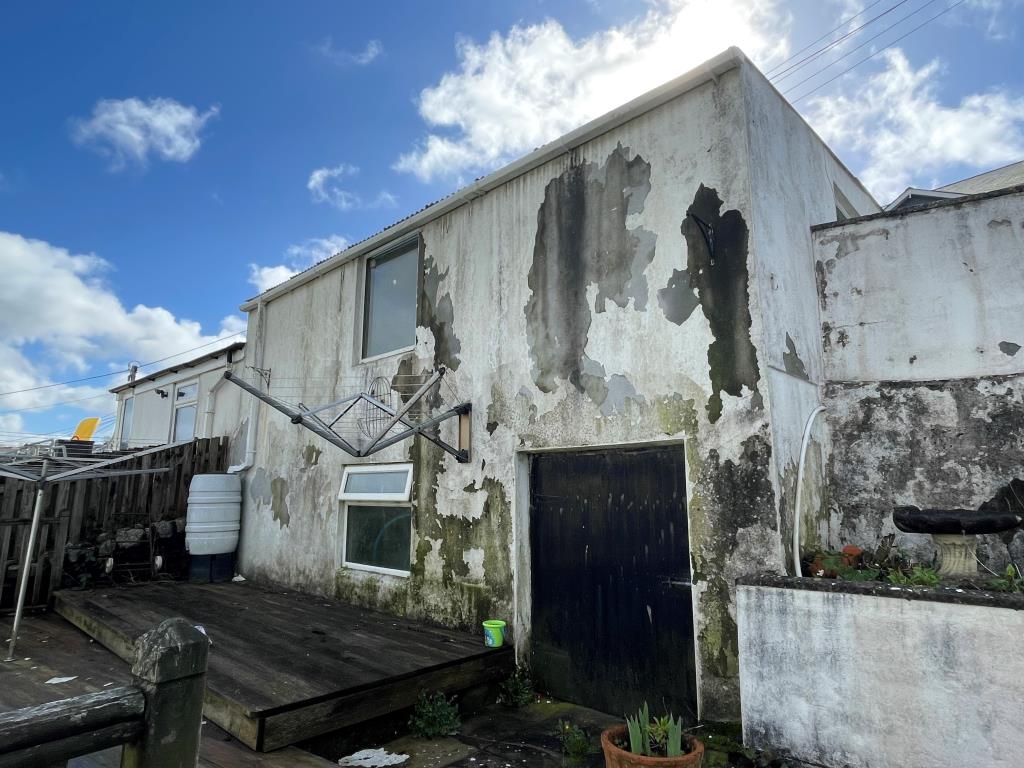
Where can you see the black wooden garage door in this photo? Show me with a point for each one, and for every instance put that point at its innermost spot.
(612, 622)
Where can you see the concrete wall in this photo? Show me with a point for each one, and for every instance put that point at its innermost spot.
(577, 304)
(872, 681)
(796, 182)
(152, 420)
(921, 322)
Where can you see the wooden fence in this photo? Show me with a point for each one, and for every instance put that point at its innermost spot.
(76, 512)
(157, 717)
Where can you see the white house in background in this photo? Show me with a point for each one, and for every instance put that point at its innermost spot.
(180, 402)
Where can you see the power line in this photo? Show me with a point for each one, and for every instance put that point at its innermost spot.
(116, 373)
(854, 50)
(815, 42)
(54, 405)
(880, 50)
(811, 57)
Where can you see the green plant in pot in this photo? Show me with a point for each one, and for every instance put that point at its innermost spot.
(647, 741)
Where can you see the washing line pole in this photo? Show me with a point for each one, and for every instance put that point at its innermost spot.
(26, 562)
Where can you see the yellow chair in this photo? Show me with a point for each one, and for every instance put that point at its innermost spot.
(86, 428)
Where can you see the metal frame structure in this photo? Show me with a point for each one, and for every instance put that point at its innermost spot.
(44, 471)
(381, 439)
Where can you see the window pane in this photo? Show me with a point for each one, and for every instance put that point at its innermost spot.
(389, 322)
(376, 482)
(378, 536)
(187, 392)
(184, 423)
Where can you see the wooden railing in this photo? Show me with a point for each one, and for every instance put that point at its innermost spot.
(76, 512)
(157, 718)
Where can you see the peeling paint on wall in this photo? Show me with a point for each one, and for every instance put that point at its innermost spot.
(716, 265)
(790, 358)
(437, 313)
(583, 240)
(279, 501)
(677, 299)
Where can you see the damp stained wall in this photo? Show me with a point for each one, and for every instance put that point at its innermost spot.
(797, 182)
(609, 296)
(921, 322)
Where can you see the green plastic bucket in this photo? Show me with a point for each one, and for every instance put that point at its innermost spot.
(494, 633)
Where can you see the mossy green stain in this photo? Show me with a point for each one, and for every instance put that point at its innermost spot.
(279, 501)
(676, 414)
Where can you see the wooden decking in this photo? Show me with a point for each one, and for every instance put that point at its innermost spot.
(50, 649)
(286, 666)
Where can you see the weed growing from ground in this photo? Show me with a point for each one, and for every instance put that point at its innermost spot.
(434, 716)
(517, 690)
(576, 743)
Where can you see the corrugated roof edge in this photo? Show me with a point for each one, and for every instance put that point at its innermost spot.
(711, 69)
(926, 208)
(233, 347)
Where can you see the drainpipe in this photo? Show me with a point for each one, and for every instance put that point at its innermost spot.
(211, 398)
(800, 487)
(254, 403)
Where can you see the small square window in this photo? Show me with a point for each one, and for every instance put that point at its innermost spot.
(389, 310)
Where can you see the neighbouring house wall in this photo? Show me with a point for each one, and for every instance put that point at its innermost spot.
(922, 327)
(153, 415)
(873, 681)
(796, 182)
(577, 304)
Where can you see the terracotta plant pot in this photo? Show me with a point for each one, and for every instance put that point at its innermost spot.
(614, 757)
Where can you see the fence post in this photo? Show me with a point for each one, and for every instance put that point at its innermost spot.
(170, 670)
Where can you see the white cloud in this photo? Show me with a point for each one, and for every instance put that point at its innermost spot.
(344, 58)
(896, 120)
(131, 130)
(325, 186)
(993, 18)
(520, 90)
(298, 257)
(59, 318)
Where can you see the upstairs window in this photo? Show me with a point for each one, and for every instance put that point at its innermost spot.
(184, 426)
(389, 308)
(376, 522)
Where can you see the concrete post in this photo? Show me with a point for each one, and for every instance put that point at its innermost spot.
(170, 670)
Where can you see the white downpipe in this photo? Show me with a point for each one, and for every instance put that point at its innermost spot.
(800, 488)
(211, 399)
(254, 404)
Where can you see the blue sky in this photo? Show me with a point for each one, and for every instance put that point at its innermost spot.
(158, 164)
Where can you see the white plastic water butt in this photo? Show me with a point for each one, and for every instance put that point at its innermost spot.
(214, 511)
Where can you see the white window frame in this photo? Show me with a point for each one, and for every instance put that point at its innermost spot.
(175, 405)
(372, 500)
(390, 250)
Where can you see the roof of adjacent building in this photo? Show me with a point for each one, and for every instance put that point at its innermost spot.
(229, 350)
(999, 178)
(1011, 175)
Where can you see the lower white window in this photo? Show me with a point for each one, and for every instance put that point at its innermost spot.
(376, 520)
